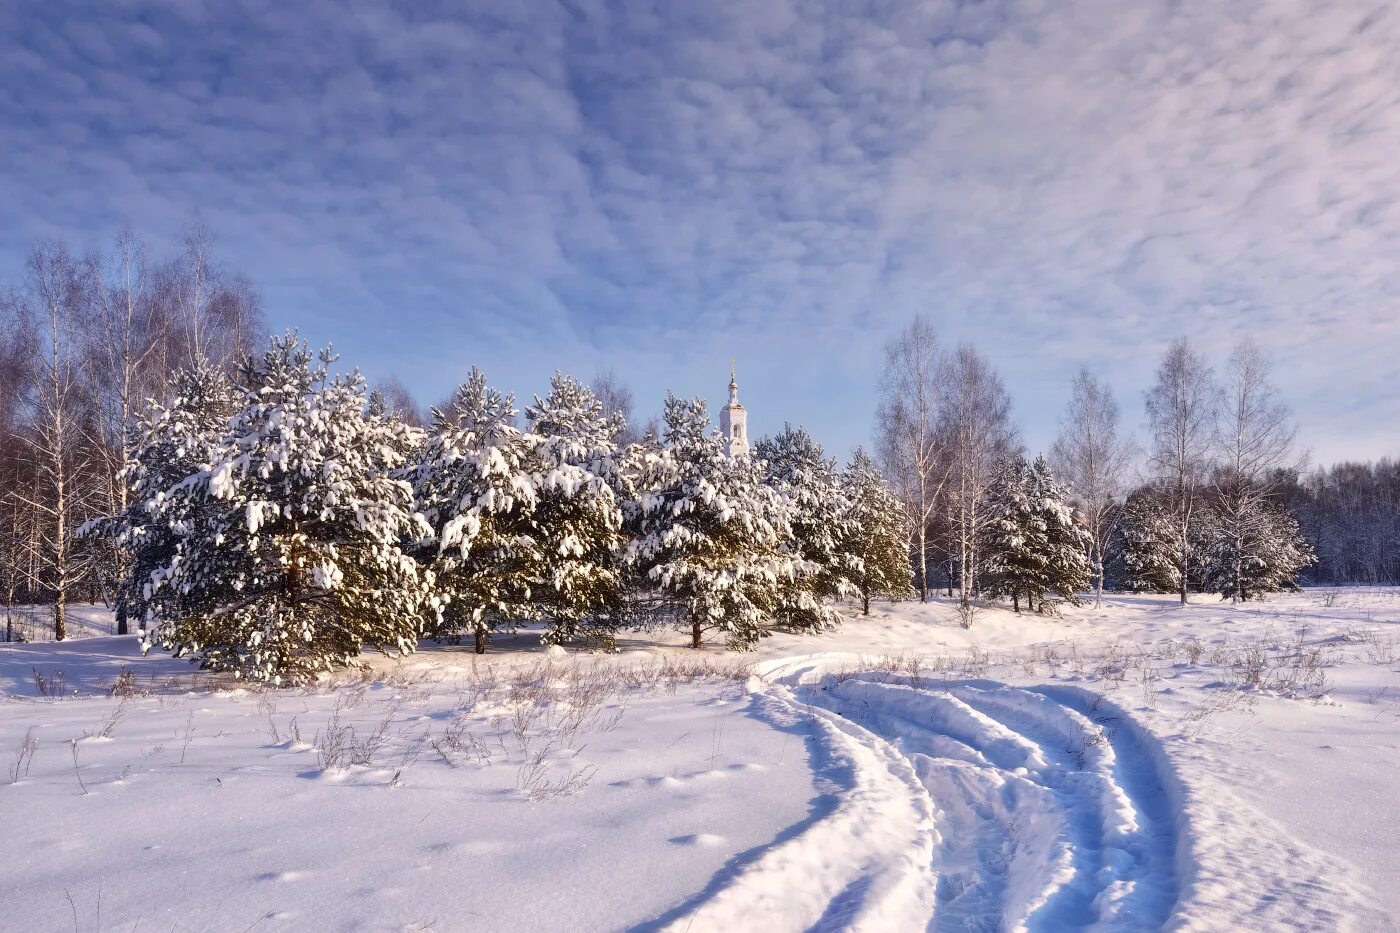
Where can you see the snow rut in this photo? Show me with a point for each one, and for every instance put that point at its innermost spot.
(865, 865)
(1051, 818)
(975, 805)
(968, 806)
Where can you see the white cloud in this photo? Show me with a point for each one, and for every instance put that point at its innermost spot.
(543, 185)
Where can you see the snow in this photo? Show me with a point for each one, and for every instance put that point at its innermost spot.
(1137, 766)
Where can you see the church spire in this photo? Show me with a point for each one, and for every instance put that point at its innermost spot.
(733, 419)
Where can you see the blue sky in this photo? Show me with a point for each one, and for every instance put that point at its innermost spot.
(656, 187)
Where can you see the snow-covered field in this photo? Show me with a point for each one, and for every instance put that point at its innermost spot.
(1136, 766)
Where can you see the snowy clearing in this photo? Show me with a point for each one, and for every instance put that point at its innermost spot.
(1138, 766)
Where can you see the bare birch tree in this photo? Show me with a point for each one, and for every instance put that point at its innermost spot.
(83, 346)
(1181, 407)
(399, 401)
(617, 400)
(50, 310)
(126, 334)
(16, 563)
(1092, 458)
(974, 422)
(910, 449)
(218, 317)
(1255, 439)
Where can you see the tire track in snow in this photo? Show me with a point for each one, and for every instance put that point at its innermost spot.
(864, 865)
(975, 805)
(1039, 832)
(1049, 816)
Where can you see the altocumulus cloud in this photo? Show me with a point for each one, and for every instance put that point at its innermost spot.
(658, 186)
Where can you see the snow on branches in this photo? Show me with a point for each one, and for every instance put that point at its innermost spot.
(285, 555)
(879, 534)
(286, 522)
(708, 537)
(823, 530)
(1036, 544)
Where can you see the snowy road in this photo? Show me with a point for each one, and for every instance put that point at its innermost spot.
(976, 805)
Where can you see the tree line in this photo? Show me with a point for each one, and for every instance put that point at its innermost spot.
(285, 519)
(263, 515)
(1218, 500)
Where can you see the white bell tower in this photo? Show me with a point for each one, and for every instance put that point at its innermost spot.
(734, 421)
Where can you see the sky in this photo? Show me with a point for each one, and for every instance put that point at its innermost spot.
(656, 187)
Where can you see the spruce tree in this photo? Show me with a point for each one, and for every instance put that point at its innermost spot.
(807, 484)
(879, 534)
(288, 559)
(577, 518)
(474, 483)
(406, 439)
(708, 536)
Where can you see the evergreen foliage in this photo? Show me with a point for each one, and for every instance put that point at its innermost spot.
(819, 514)
(576, 522)
(1149, 543)
(1147, 539)
(168, 443)
(475, 486)
(287, 557)
(708, 537)
(1036, 545)
(1017, 543)
(1262, 551)
(878, 534)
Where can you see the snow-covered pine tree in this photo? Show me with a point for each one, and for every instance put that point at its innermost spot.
(1068, 569)
(577, 518)
(1037, 546)
(709, 537)
(289, 559)
(879, 534)
(1147, 546)
(474, 484)
(1262, 551)
(168, 443)
(825, 564)
(1017, 545)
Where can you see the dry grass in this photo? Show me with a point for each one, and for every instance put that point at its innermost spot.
(24, 756)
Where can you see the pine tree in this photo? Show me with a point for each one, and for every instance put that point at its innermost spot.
(577, 518)
(1037, 546)
(709, 537)
(1150, 546)
(1147, 544)
(796, 468)
(879, 534)
(1262, 551)
(1068, 569)
(406, 439)
(474, 483)
(1017, 543)
(288, 559)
